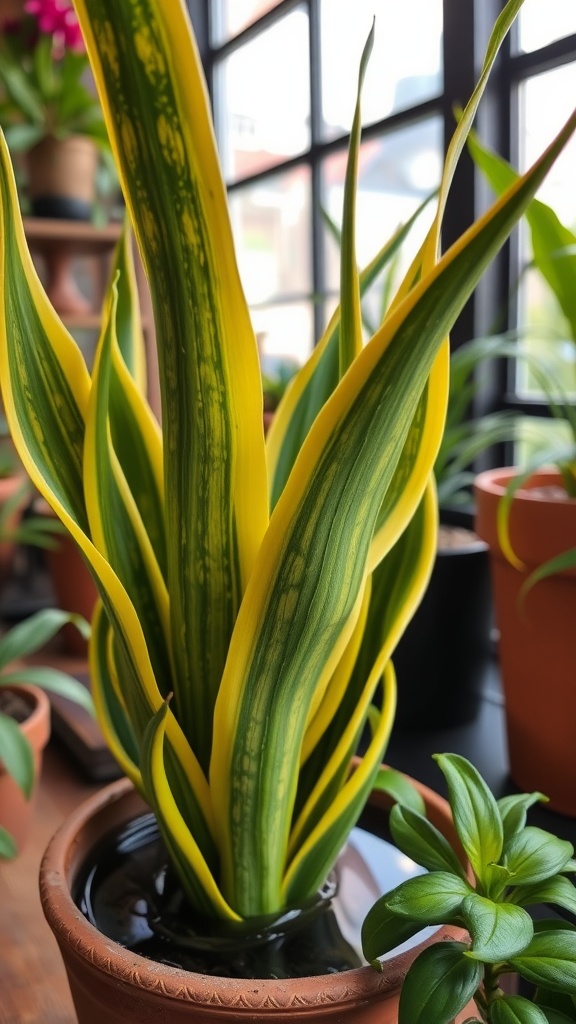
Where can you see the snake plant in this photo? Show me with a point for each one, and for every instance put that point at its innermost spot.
(251, 592)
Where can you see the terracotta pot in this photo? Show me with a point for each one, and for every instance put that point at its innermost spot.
(111, 984)
(72, 584)
(15, 811)
(537, 635)
(61, 177)
(9, 486)
(74, 589)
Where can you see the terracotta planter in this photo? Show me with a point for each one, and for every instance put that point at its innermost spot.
(61, 177)
(9, 486)
(15, 811)
(537, 636)
(111, 984)
(74, 589)
(73, 586)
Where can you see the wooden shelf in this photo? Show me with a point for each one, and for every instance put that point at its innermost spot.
(80, 237)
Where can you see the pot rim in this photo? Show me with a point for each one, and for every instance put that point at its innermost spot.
(75, 931)
(36, 727)
(495, 482)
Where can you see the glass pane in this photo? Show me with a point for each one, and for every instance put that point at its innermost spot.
(536, 29)
(231, 16)
(285, 334)
(396, 173)
(545, 102)
(271, 223)
(537, 436)
(405, 67)
(263, 94)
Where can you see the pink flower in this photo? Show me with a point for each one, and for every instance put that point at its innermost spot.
(57, 18)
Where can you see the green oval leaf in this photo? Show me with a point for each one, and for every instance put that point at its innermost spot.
(31, 634)
(550, 960)
(383, 930)
(499, 930)
(516, 1010)
(431, 899)
(439, 984)
(400, 788)
(555, 1017)
(475, 811)
(8, 848)
(534, 855)
(513, 810)
(559, 890)
(419, 839)
(17, 755)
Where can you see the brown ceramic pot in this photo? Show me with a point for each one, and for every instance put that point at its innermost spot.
(537, 647)
(111, 984)
(15, 810)
(61, 177)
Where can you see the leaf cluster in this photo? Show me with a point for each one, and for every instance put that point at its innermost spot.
(512, 866)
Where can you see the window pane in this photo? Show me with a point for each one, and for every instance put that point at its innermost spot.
(545, 102)
(271, 223)
(396, 173)
(284, 332)
(263, 91)
(405, 67)
(231, 16)
(537, 436)
(536, 30)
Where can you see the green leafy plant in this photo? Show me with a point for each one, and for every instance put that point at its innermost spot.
(18, 643)
(512, 866)
(43, 65)
(251, 593)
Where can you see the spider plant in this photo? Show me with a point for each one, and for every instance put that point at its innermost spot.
(251, 594)
(553, 247)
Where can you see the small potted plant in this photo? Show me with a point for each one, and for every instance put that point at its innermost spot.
(252, 591)
(514, 866)
(48, 112)
(25, 718)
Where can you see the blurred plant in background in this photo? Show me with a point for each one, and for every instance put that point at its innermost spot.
(45, 85)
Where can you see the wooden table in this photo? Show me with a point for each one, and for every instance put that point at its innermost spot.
(33, 985)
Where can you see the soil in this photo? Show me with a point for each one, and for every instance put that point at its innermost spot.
(450, 537)
(14, 705)
(552, 492)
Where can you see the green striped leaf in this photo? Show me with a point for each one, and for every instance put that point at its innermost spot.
(128, 319)
(316, 854)
(115, 522)
(294, 622)
(211, 386)
(315, 382)
(185, 854)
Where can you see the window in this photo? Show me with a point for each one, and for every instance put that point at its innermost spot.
(539, 86)
(284, 78)
(283, 81)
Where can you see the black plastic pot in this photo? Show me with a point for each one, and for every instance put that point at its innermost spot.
(442, 658)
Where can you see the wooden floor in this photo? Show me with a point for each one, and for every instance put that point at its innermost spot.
(33, 986)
